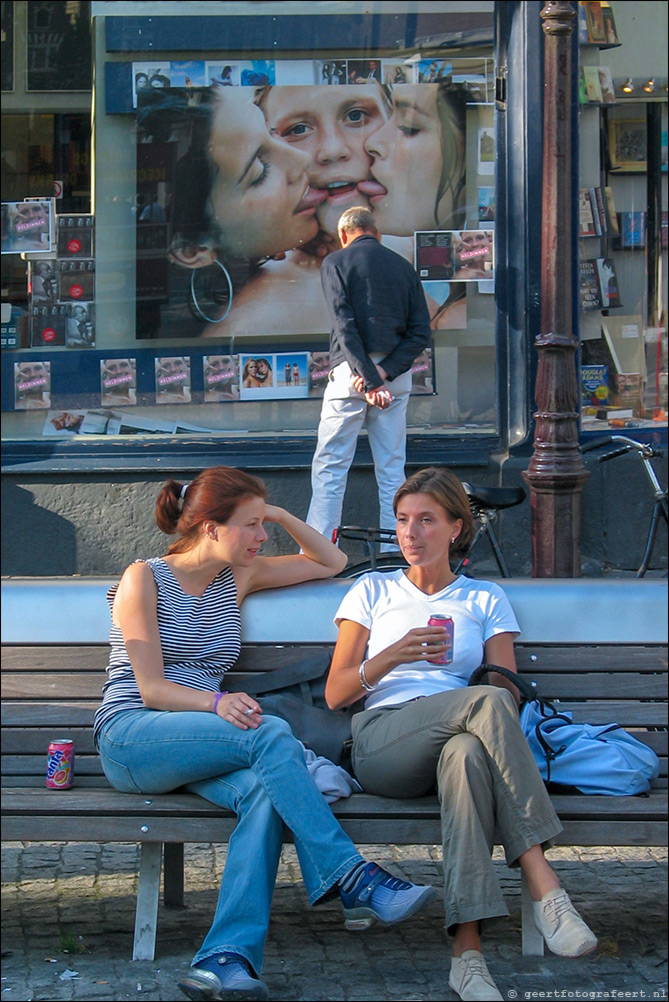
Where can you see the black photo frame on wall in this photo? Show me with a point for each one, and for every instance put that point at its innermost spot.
(59, 51)
(7, 46)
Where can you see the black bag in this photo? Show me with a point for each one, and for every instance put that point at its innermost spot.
(296, 692)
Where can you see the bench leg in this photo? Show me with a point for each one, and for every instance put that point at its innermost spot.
(173, 879)
(148, 894)
(533, 941)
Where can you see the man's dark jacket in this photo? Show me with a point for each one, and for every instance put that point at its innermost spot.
(376, 304)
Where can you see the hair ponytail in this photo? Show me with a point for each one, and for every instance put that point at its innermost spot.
(168, 507)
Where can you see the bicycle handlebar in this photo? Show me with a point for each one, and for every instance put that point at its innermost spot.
(360, 533)
(622, 444)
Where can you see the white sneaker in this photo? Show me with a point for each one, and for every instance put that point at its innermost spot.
(470, 978)
(561, 926)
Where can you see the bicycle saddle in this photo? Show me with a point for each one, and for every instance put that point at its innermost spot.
(495, 497)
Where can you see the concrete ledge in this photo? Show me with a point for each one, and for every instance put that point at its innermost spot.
(565, 611)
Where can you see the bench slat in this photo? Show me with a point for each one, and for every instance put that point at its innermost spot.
(35, 765)
(590, 658)
(29, 770)
(254, 657)
(12, 781)
(58, 685)
(363, 831)
(615, 685)
(18, 741)
(88, 685)
(625, 713)
(74, 657)
(78, 803)
(40, 714)
(68, 657)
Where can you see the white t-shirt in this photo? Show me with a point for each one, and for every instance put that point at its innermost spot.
(389, 605)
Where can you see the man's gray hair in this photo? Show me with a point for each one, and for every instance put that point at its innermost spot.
(358, 217)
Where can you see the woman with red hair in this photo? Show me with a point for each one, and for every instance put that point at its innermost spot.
(164, 722)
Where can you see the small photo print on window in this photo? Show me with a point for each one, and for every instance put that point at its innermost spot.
(319, 370)
(447, 303)
(486, 151)
(221, 378)
(27, 227)
(223, 73)
(454, 255)
(149, 76)
(118, 382)
(434, 70)
(363, 71)
(32, 385)
(257, 73)
(474, 255)
(275, 376)
(422, 373)
(65, 424)
(329, 71)
(187, 73)
(173, 385)
(397, 72)
(486, 205)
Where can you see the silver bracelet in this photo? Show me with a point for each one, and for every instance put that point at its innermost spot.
(364, 681)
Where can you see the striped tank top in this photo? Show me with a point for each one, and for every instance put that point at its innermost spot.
(200, 638)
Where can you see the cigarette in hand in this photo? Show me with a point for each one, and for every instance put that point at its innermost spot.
(247, 713)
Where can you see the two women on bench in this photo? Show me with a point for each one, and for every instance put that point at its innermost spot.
(164, 722)
(423, 727)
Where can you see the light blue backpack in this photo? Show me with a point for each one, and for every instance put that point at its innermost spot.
(602, 759)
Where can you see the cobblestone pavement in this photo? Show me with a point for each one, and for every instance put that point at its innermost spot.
(68, 913)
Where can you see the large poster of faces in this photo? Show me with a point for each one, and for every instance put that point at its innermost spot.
(260, 171)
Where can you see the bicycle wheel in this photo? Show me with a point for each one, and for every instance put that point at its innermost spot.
(391, 562)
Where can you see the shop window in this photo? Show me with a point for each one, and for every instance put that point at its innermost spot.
(219, 185)
(623, 225)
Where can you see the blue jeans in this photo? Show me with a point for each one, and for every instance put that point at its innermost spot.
(262, 776)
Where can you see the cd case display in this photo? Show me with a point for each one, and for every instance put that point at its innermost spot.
(76, 280)
(74, 235)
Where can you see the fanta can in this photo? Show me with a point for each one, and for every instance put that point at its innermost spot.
(60, 764)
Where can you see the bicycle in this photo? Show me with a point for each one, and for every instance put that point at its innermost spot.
(622, 444)
(485, 504)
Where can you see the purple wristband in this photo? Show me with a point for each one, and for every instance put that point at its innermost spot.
(217, 699)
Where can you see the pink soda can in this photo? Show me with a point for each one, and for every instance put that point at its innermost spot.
(447, 657)
(60, 764)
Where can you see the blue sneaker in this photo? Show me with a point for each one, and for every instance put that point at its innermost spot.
(223, 976)
(370, 894)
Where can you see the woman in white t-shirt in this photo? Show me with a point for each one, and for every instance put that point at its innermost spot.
(424, 728)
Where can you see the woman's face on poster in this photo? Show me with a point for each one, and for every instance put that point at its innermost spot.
(259, 200)
(331, 126)
(407, 158)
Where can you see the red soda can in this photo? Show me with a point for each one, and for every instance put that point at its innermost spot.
(60, 764)
(446, 621)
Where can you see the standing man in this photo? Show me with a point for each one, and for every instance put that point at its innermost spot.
(380, 324)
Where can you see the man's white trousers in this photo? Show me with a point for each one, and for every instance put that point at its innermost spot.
(344, 414)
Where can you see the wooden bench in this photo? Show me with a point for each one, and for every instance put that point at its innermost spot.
(598, 646)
